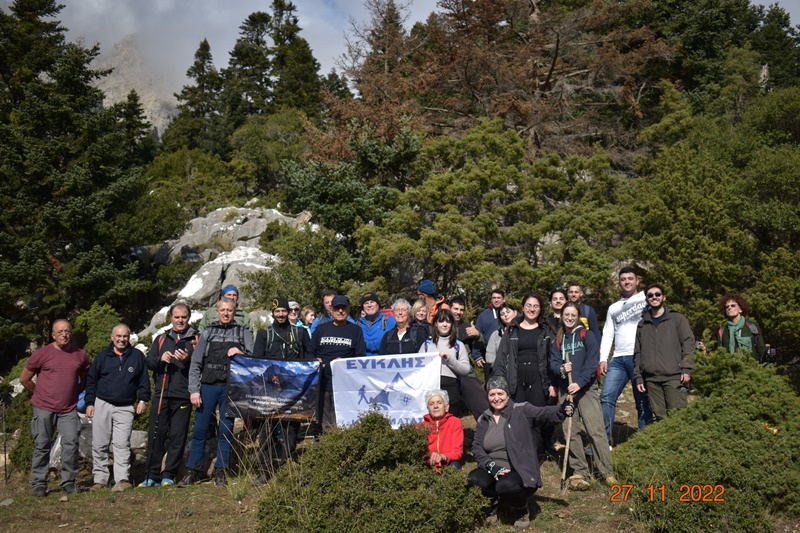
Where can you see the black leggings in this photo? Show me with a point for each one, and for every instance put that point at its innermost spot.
(508, 488)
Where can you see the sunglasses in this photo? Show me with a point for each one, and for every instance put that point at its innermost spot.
(731, 306)
(294, 311)
(654, 295)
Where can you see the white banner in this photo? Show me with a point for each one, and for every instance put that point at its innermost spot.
(394, 385)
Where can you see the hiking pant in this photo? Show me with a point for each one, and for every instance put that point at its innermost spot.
(173, 429)
(43, 426)
(587, 410)
(665, 396)
(508, 488)
(111, 425)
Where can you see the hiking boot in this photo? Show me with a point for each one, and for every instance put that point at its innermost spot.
(122, 486)
(70, 488)
(611, 480)
(97, 486)
(146, 484)
(219, 477)
(578, 482)
(40, 492)
(167, 482)
(521, 520)
(188, 480)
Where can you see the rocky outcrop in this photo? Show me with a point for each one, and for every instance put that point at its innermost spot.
(129, 73)
(225, 246)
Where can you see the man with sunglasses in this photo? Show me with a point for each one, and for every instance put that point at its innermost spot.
(663, 354)
(620, 331)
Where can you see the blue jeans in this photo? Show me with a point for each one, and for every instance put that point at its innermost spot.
(212, 396)
(620, 372)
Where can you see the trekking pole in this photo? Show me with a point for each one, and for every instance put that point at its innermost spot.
(155, 426)
(569, 431)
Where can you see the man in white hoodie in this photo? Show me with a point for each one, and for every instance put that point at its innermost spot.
(620, 330)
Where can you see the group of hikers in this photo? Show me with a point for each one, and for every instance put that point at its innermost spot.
(538, 369)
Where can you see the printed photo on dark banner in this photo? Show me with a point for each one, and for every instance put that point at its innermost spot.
(272, 387)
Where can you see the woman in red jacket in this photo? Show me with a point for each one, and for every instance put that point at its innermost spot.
(446, 437)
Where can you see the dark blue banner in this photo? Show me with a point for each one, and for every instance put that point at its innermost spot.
(282, 388)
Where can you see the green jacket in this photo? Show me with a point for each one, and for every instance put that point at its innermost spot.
(210, 316)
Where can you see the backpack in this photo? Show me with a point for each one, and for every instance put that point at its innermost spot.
(585, 315)
(581, 334)
(456, 346)
(294, 340)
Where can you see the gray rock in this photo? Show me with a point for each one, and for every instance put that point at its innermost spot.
(85, 441)
(18, 388)
(6, 502)
(138, 439)
(204, 286)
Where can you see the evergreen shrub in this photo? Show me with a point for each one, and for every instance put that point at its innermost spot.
(726, 437)
(18, 417)
(369, 478)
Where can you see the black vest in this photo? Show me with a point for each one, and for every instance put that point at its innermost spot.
(216, 362)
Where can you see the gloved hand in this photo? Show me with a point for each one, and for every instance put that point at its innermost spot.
(567, 408)
(494, 469)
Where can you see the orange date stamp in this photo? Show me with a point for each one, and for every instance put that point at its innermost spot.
(659, 493)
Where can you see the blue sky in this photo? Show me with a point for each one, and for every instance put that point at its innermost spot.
(169, 31)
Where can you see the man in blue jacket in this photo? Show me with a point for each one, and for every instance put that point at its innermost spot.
(116, 380)
(374, 324)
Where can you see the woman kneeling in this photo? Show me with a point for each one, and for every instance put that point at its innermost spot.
(508, 464)
(446, 437)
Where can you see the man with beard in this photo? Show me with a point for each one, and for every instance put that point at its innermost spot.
(281, 340)
(663, 355)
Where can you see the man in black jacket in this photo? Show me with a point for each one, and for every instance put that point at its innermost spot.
(168, 358)
(116, 379)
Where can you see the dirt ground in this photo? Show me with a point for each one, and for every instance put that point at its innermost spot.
(234, 508)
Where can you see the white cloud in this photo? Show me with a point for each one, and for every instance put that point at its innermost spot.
(168, 32)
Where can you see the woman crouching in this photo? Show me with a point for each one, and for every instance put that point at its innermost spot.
(446, 437)
(508, 464)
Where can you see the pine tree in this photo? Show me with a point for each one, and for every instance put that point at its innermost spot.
(69, 172)
(294, 68)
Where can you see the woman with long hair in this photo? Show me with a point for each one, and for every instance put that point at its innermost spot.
(523, 359)
(574, 357)
(455, 360)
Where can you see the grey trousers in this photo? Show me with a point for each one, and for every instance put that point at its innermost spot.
(43, 426)
(588, 410)
(111, 425)
(665, 396)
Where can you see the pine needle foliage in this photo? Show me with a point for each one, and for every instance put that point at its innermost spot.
(369, 478)
(726, 437)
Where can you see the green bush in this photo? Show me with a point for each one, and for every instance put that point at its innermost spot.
(369, 478)
(726, 437)
(18, 417)
(16, 371)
